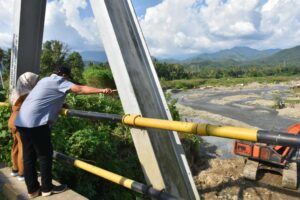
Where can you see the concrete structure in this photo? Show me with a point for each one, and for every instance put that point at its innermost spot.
(160, 152)
(28, 31)
(12, 189)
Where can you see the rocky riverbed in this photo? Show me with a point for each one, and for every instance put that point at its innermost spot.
(217, 172)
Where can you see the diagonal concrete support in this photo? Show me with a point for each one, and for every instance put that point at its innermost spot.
(160, 152)
(27, 37)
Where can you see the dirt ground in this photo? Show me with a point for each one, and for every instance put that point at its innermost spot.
(222, 179)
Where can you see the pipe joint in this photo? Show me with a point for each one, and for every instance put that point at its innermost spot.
(64, 112)
(129, 119)
(202, 129)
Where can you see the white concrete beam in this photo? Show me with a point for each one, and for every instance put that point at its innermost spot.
(160, 152)
(28, 28)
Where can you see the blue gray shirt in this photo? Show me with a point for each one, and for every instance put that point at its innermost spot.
(44, 102)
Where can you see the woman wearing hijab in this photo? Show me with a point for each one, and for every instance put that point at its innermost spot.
(25, 84)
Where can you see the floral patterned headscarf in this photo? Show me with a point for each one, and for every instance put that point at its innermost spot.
(25, 84)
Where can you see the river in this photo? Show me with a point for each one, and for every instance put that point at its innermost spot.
(260, 116)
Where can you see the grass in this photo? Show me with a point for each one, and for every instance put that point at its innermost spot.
(296, 90)
(2, 196)
(195, 83)
(296, 101)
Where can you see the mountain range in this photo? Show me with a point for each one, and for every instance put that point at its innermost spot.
(245, 56)
(238, 54)
(234, 56)
(93, 56)
(286, 56)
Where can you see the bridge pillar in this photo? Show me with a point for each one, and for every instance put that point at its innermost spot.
(160, 152)
(28, 30)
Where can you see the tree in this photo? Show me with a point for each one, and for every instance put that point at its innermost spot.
(5, 59)
(75, 63)
(1, 54)
(53, 55)
(168, 71)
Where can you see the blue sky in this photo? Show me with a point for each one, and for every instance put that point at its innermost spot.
(140, 7)
(175, 28)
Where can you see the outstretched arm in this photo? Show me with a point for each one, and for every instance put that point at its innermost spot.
(81, 89)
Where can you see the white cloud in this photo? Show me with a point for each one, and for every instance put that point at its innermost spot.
(64, 22)
(176, 27)
(281, 20)
(6, 18)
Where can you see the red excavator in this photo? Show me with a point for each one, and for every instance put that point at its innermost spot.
(281, 159)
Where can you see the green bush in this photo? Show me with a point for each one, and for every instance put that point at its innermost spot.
(106, 145)
(5, 136)
(103, 144)
(99, 77)
(196, 83)
(2, 95)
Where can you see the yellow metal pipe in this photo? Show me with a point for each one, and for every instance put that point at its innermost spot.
(192, 128)
(63, 112)
(185, 127)
(115, 178)
(229, 132)
(137, 120)
(104, 174)
(4, 104)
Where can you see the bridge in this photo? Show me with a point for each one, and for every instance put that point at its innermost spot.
(141, 96)
(135, 78)
(254, 135)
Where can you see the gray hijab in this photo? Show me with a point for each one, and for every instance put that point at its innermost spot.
(25, 84)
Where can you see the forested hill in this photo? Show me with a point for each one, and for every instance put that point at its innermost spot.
(289, 56)
(237, 54)
(244, 56)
